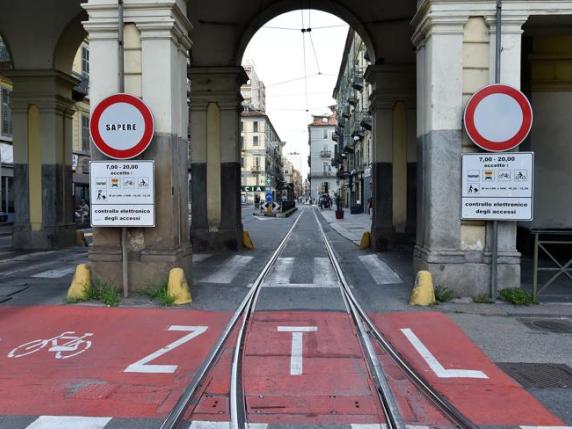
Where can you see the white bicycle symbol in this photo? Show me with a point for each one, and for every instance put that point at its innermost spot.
(65, 345)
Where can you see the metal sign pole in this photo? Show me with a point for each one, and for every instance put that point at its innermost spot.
(494, 250)
(121, 78)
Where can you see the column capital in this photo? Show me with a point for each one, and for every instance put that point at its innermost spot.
(48, 89)
(391, 83)
(160, 19)
(216, 84)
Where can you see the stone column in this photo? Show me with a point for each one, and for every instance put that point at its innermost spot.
(454, 59)
(215, 157)
(156, 55)
(392, 100)
(42, 110)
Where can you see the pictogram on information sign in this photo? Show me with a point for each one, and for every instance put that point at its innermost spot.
(122, 193)
(497, 186)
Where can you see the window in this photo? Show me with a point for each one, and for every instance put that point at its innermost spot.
(85, 133)
(6, 122)
(255, 126)
(85, 61)
(325, 133)
(254, 140)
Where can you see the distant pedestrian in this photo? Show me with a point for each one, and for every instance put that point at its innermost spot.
(370, 206)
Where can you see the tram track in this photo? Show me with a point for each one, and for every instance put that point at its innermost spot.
(368, 335)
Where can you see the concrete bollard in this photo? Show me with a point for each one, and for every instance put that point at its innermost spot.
(247, 241)
(423, 293)
(80, 284)
(365, 242)
(178, 288)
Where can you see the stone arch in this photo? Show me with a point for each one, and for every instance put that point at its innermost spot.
(284, 6)
(68, 43)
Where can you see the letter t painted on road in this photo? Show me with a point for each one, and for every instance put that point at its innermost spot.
(297, 345)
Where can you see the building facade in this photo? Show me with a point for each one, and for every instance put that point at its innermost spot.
(323, 178)
(353, 134)
(253, 91)
(261, 154)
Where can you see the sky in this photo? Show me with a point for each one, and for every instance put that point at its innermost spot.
(277, 51)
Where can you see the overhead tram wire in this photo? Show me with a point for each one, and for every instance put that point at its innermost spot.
(305, 67)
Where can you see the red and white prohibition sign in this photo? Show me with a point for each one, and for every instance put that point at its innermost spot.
(498, 118)
(121, 126)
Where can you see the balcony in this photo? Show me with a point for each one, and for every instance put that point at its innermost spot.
(357, 83)
(257, 169)
(353, 101)
(367, 122)
(325, 154)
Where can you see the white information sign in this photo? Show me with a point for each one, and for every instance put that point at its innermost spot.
(122, 193)
(497, 186)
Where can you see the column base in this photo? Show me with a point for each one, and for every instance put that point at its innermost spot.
(387, 239)
(47, 238)
(204, 240)
(146, 268)
(468, 273)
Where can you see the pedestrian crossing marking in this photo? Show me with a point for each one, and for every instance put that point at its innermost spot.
(54, 274)
(379, 270)
(280, 274)
(229, 270)
(200, 257)
(69, 422)
(323, 277)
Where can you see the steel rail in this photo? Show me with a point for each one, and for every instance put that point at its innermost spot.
(442, 403)
(186, 399)
(386, 397)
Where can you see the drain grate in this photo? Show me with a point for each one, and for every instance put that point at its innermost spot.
(539, 375)
(554, 326)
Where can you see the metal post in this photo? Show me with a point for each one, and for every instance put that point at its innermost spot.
(535, 267)
(494, 250)
(121, 78)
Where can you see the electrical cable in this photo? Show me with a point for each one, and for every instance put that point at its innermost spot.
(305, 67)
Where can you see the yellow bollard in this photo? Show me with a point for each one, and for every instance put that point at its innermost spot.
(365, 242)
(81, 283)
(178, 288)
(269, 210)
(247, 241)
(423, 292)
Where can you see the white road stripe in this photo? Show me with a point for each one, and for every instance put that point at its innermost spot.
(229, 270)
(379, 270)
(281, 273)
(32, 255)
(546, 427)
(42, 265)
(54, 274)
(69, 422)
(223, 425)
(200, 257)
(301, 285)
(324, 275)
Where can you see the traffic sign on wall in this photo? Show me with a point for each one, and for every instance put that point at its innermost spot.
(497, 186)
(121, 126)
(122, 193)
(498, 118)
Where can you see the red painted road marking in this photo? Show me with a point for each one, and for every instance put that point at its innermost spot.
(94, 382)
(334, 385)
(495, 401)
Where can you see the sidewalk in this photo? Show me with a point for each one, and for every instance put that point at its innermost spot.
(5, 229)
(352, 226)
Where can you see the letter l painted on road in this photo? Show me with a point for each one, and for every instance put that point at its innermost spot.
(297, 345)
(434, 364)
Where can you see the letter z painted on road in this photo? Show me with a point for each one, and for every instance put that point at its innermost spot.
(143, 366)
